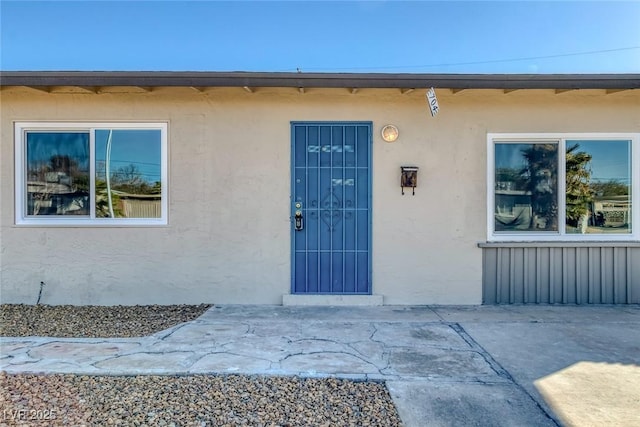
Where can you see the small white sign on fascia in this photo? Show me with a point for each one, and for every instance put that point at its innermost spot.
(433, 102)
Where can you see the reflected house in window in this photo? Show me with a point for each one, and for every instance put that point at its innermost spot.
(56, 195)
(526, 187)
(611, 213)
(608, 207)
(57, 176)
(513, 208)
(84, 173)
(128, 169)
(596, 197)
(139, 205)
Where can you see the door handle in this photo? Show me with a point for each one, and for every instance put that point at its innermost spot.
(299, 220)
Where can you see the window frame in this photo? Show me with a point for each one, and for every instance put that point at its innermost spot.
(20, 132)
(561, 139)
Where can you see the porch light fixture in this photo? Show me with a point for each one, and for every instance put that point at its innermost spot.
(389, 133)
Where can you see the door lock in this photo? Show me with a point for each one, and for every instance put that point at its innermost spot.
(299, 220)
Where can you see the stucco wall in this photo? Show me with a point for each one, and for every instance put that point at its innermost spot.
(228, 238)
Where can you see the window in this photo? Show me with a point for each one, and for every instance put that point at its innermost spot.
(91, 173)
(563, 187)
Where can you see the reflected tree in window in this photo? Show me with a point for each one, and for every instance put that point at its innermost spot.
(540, 176)
(595, 177)
(513, 204)
(57, 173)
(607, 172)
(128, 172)
(579, 193)
(610, 188)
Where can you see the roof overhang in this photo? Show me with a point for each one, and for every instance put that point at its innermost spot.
(352, 81)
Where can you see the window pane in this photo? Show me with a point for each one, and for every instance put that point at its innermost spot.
(526, 187)
(57, 173)
(128, 169)
(598, 187)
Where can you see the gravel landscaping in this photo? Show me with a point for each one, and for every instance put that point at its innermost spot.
(194, 400)
(71, 321)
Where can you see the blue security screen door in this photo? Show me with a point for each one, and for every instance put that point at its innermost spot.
(331, 207)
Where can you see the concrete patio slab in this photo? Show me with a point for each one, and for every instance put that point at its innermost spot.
(422, 403)
(435, 363)
(551, 349)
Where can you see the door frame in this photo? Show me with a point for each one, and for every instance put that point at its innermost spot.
(292, 269)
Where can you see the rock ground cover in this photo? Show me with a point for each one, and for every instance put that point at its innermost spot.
(195, 400)
(199, 400)
(70, 321)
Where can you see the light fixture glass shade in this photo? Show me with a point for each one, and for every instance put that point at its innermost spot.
(389, 133)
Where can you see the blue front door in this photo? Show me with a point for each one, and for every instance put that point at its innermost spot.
(331, 207)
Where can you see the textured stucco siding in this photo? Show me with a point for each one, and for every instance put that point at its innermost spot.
(228, 237)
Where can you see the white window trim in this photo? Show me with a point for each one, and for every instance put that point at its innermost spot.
(561, 139)
(20, 129)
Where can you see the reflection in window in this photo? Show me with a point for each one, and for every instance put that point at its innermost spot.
(87, 174)
(526, 187)
(57, 173)
(567, 186)
(598, 181)
(128, 173)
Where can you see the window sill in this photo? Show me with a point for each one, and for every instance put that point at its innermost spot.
(563, 244)
(91, 224)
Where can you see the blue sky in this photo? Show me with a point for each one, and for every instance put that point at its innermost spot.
(610, 159)
(323, 36)
(140, 148)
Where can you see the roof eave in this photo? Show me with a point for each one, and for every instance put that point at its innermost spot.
(318, 80)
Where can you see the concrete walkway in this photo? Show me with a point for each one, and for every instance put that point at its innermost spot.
(444, 366)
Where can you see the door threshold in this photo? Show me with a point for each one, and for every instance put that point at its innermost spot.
(329, 300)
